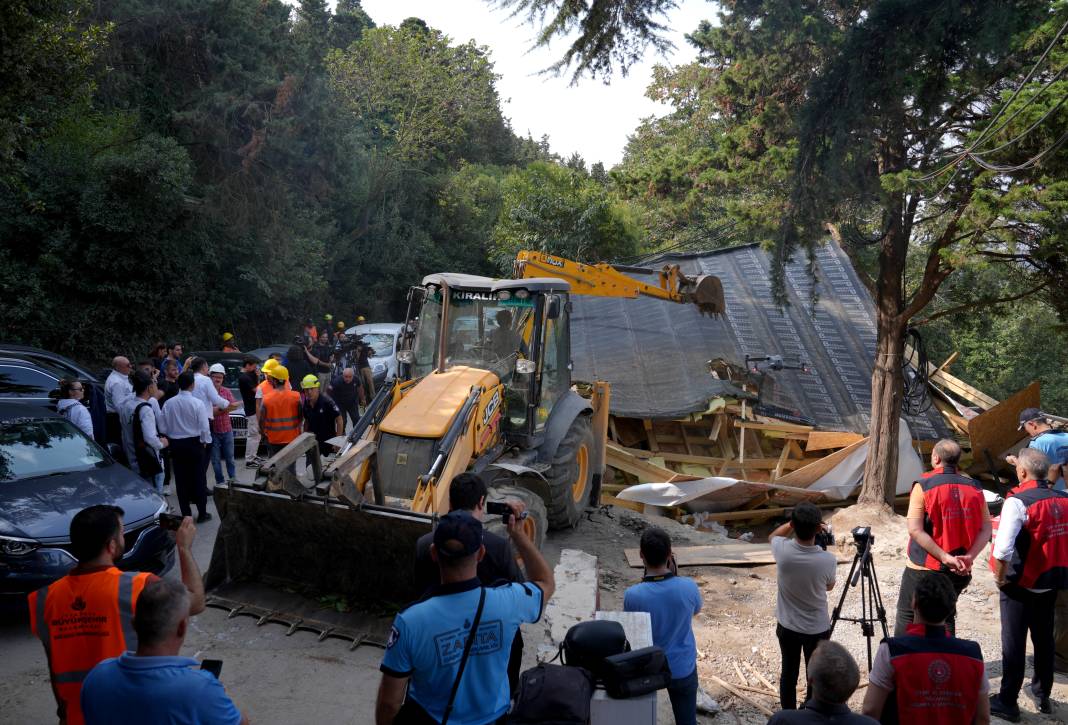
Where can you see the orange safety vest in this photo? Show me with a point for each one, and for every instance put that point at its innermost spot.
(281, 416)
(83, 619)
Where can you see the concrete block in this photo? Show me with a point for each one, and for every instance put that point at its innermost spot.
(575, 600)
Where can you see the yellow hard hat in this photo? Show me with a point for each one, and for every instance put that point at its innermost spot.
(227, 336)
(360, 319)
(309, 381)
(340, 325)
(270, 365)
(328, 317)
(279, 372)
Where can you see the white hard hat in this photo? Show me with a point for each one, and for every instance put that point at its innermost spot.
(217, 368)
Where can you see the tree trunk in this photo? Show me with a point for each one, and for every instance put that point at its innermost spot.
(880, 468)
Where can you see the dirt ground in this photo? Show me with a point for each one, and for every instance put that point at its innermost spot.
(735, 631)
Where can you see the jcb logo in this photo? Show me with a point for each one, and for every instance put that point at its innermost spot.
(491, 407)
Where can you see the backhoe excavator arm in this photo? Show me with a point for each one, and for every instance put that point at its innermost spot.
(604, 280)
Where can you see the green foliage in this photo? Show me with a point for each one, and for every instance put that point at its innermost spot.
(236, 165)
(46, 54)
(561, 210)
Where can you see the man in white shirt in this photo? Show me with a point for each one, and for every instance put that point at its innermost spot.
(1031, 553)
(185, 423)
(116, 389)
(806, 573)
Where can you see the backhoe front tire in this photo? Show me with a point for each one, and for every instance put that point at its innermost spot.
(536, 522)
(571, 475)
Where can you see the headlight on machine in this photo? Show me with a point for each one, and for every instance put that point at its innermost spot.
(406, 356)
(14, 546)
(378, 368)
(523, 366)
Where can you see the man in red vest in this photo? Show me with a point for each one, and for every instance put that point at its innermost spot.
(929, 677)
(87, 616)
(1031, 550)
(949, 524)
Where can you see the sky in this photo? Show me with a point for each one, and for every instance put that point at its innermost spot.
(591, 118)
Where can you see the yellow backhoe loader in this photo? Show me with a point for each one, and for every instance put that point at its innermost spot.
(485, 385)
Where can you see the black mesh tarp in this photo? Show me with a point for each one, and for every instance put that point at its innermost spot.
(654, 353)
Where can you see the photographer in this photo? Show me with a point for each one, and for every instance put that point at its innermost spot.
(467, 492)
(672, 602)
(806, 572)
(949, 524)
(424, 676)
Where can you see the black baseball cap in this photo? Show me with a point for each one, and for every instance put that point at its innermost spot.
(457, 535)
(1029, 414)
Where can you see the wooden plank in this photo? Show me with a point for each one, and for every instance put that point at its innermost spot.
(949, 361)
(807, 475)
(996, 430)
(672, 457)
(609, 500)
(781, 463)
(731, 554)
(717, 426)
(954, 385)
(741, 695)
(778, 427)
(716, 555)
(821, 440)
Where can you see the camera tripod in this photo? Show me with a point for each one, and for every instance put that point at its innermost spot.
(871, 599)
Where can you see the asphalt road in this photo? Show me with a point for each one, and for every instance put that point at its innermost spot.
(272, 677)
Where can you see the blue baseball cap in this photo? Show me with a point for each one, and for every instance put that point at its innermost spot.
(1029, 414)
(457, 535)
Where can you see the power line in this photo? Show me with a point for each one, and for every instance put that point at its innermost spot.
(991, 129)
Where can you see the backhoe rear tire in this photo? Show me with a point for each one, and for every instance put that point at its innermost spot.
(571, 475)
(536, 522)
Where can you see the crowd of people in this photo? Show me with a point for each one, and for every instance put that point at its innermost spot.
(113, 636)
(168, 416)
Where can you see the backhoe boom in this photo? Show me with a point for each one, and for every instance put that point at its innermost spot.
(604, 280)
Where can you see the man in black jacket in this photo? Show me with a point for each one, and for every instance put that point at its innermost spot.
(467, 492)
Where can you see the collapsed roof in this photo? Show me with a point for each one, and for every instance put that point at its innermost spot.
(655, 353)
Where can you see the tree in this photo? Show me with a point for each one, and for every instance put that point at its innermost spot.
(857, 103)
(561, 210)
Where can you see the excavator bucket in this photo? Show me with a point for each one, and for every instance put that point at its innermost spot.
(312, 562)
(706, 291)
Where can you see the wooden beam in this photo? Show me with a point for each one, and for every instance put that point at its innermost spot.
(741, 695)
(949, 361)
(822, 440)
(807, 475)
(952, 384)
(778, 427)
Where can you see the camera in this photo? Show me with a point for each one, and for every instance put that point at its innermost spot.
(863, 537)
(499, 508)
(825, 538)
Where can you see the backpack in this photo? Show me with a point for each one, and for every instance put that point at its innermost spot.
(553, 695)
(587, 644)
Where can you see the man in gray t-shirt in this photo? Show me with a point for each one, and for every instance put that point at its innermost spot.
(806, 573)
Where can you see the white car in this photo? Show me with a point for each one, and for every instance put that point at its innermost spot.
(384, 338)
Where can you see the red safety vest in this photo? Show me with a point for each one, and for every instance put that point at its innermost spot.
(996, 521)
(281, 416)
(953, 507)
(936, 677)
(83, 619)
(1042, 543)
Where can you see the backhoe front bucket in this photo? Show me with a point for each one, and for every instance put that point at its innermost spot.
(326, 553)
(706, 291)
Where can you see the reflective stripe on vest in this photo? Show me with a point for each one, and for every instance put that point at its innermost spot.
(81, 620)
(953, 515)
(1042, 544)
(936, 678)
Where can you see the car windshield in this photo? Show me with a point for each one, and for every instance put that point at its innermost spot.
(381, 343)
(32, 448)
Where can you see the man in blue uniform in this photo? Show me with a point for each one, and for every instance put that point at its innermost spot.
(425, 652)
(1053, 443)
